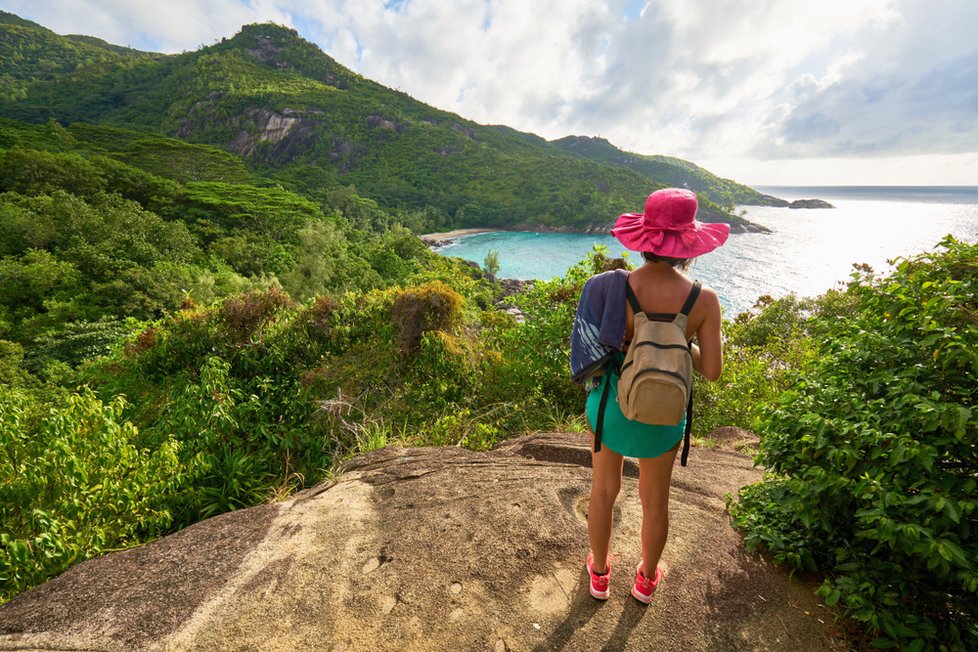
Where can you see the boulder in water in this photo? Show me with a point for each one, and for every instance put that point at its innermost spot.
(810, 203)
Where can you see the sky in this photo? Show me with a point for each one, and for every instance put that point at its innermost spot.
(766, 92)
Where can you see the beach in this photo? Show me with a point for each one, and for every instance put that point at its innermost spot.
(439, 239)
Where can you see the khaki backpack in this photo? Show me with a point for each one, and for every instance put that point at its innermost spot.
(657, 376)
(655, 383)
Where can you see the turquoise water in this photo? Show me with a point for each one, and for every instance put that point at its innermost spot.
(809, 251)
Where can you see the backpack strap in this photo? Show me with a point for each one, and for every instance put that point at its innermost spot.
(632, 299)
(694, 294)
(689, 428)
(599, 426)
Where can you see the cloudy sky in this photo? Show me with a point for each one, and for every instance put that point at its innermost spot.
(803, 92)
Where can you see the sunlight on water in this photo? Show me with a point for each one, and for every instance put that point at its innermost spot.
(808, 252)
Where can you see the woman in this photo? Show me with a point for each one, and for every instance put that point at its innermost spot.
(668, 237)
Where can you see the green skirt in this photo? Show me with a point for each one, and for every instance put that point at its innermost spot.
(624, 436)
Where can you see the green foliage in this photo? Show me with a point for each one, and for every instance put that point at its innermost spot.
(72, 253)
(65, 260)
(872, 456)
(435, 168)
(432, 307)
(663, 170)
(31, 53)
(491, 263)
(33, 172)
(79, 341)
(11, 361)
(74, 484)
(527, 362)
(273, 212)
(753, 378)
(324, 262)
(763, 350)
(175, 159)
(30, 172)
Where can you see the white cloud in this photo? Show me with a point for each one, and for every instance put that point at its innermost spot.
(743, 80)
(170, 26)
(491, 61)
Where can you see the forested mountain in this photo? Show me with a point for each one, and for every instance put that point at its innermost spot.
(31, 53)
(669, 170)
(298, 118)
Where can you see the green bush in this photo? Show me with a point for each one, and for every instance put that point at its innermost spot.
(442, 374)
(872, 457)
(431, 307)
(761, 350)
(74, 484)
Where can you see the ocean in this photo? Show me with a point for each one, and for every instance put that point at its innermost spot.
(808, 252)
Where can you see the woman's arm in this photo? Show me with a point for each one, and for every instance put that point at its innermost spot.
(708, 355)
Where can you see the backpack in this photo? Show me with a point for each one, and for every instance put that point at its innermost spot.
(655, 382)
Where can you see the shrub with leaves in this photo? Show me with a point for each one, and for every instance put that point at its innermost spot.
(431, 307)
(762, 348)
(872, 457)
(74, 484)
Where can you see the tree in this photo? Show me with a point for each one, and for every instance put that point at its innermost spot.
(491, 263)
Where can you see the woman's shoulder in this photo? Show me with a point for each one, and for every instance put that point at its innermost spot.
(708, 298)
(706, 290)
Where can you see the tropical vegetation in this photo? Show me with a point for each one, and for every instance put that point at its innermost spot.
(871, 454)
(302, 120)
(201, 311)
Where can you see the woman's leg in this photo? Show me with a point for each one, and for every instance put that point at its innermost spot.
(605, 484)
(654, 476)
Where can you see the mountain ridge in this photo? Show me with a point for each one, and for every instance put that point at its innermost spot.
(303, 120)
(676, 171)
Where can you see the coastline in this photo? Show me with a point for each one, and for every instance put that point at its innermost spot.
(737, 225)
(441, 239)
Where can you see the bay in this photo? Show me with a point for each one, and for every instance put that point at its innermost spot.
(808, 252)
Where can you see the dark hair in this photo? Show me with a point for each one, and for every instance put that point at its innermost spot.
(678, 263)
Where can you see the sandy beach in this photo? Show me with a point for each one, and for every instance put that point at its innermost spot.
(451, 235)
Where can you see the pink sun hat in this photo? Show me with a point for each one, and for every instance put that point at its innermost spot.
(668, 227)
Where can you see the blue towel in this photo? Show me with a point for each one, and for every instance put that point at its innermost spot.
(599, 326)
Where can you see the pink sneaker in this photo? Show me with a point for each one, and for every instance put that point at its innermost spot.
(644, 587)
(599, 583)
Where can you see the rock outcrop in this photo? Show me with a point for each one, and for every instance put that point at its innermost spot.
(272, 127)
(434, 549)
(382, 123)
(810, 203)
